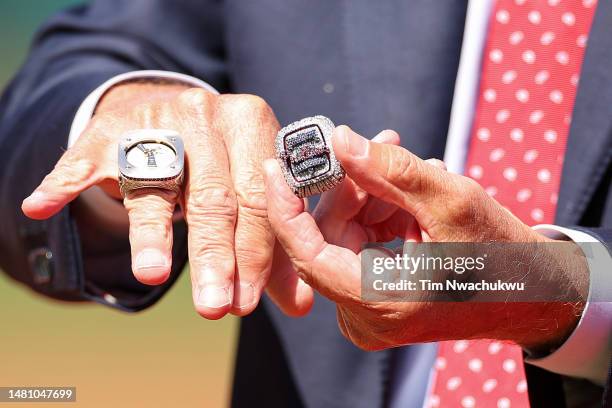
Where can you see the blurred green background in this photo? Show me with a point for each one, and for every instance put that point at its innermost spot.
(165, 356)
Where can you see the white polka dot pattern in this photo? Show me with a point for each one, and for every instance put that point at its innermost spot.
(475, 365)
(527, 91)
(489, 385)
(478, 374)
(527, 95)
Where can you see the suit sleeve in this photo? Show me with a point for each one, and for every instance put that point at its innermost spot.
(72, 54)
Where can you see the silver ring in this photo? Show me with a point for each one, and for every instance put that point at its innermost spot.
(306, 156)
(151, 158)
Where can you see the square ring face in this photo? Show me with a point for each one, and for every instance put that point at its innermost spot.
(305, 153)
(308, 153)
(168, 138)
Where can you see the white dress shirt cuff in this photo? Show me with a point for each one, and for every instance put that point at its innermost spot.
(88, 107)
(586, 353)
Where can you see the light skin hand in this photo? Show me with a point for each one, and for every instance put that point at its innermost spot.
(230, 241)
(391, 193)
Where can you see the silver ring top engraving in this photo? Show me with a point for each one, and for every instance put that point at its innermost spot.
(306, 156)
(150, 158)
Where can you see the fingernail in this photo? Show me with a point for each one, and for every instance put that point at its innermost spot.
(246, 296)
(213, 296)
(150, 258)
(354, 144)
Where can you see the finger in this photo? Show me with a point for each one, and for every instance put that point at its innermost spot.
(400, 224)
(210, 209)
(387, 136)
(334, 217)
(286, 289)
(389, 172)
(74, 173)
(340, 204)
(332, 270)
(386, 221)
(437, 163)
(345, 201)
(376, 210)
(150, 214)
(249, 142)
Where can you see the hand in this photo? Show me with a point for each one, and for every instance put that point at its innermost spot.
(391, 193)
(230, 242)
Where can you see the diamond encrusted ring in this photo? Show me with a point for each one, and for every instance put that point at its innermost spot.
(306, 156)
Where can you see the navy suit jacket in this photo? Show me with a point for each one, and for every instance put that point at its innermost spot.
(388, 64)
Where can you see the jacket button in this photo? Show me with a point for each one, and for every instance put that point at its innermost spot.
(41, 264)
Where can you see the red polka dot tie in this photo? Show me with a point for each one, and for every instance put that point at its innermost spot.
(530, 72)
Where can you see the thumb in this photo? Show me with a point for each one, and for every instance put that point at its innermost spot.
(387, 171)
(332, 270)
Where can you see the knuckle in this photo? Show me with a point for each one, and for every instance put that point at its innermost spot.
(211, 250)
(252, 199)
(405, 169)
(151, 202)
(470, 185)
(149, 216)
(254, 257)
(210, 198)
(254, 241)
(467, 197)
(247, 104)
(470, 190)
(437, 163)
(196, 98)
(147, 220)
(253, 212)
(149, 229)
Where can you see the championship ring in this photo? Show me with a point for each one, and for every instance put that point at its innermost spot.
(306, 156)
(150, 158)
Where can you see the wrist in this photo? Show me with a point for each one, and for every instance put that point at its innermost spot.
(540, 316)
(559, 319)
(557, 280)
